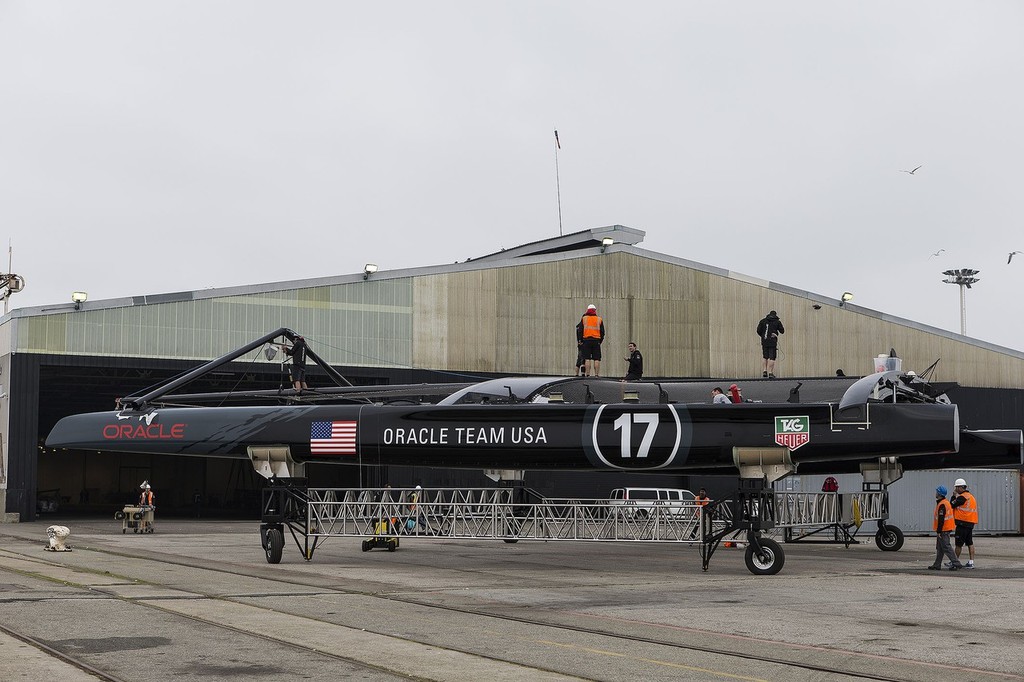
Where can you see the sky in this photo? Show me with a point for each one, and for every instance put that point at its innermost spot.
(156, 147)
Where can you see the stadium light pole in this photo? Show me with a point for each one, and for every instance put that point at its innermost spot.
(963, 278)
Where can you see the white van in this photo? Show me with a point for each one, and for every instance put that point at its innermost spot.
(641, 502)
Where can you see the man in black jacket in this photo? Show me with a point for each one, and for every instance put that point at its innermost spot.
(636, 364)
(768, 330)
(297, 352)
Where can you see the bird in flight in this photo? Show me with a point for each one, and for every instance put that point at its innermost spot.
(911, 171)
(936, 253)
(1011, 256)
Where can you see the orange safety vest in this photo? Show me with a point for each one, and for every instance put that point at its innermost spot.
(591, 327)
(146, 498)
(701, 501)
(968, 511)
(948, 523)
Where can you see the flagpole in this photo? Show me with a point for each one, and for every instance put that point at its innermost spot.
(558, 187)
(10, 268)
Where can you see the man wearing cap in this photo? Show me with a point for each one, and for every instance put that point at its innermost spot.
(943, 525)
(965, 514)
(768, 329)
(590, 335)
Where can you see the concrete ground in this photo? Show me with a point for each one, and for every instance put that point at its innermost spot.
(196, 600)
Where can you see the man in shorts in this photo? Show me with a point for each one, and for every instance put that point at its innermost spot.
(297, 352)
(768, 329)
(590, 334)
(965, 514)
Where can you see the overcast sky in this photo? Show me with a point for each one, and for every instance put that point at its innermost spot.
(149, 147)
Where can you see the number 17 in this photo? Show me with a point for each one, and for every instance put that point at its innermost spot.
(625, 424)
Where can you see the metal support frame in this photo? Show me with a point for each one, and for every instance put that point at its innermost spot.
(512, 513)
(141, 402)
(750, 510)
(285, 504)
(807, 517)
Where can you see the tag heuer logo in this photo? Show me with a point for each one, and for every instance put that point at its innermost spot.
(792, 432)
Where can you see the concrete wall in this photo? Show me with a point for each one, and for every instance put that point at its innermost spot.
(687, 323)
(519, 316)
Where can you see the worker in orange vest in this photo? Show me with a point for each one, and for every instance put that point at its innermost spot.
(146, 499)
(943, 525)
(590, 336)
(965, 514)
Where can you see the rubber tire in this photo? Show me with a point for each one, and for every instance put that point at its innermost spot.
(642, 514)
(392, 545)
(890, 539)
(275, 546)
(367, 545)
(123, 531)
(511, 541)
(772, 562)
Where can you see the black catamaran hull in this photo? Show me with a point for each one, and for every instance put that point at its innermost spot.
(547, 436)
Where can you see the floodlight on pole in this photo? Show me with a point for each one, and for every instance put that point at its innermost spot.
(606, 242)
(10, 284)
(963, 278)
(369, 269)
(845, 298)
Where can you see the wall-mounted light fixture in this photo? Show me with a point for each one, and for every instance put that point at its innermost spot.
(369, 269)
(606, 242)
(79, 297)
(845, 298)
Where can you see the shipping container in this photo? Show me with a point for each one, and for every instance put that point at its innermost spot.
(912, 498)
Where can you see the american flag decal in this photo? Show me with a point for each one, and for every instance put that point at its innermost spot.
(332, 438)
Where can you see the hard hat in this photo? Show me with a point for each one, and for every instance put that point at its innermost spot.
(147, 486)
(419, 488)
(941, 490)
(960, 483)
(591, 307)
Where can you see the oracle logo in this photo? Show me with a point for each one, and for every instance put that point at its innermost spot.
(144, 431)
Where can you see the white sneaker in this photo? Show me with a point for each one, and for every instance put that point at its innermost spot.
(969, 564)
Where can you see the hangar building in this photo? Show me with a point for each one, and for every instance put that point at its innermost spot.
(510, 312)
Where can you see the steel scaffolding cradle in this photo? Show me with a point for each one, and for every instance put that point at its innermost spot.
(381, 516)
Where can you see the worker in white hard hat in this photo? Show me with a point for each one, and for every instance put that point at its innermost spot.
(416, 517)
(146, 499)
(965, 513)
